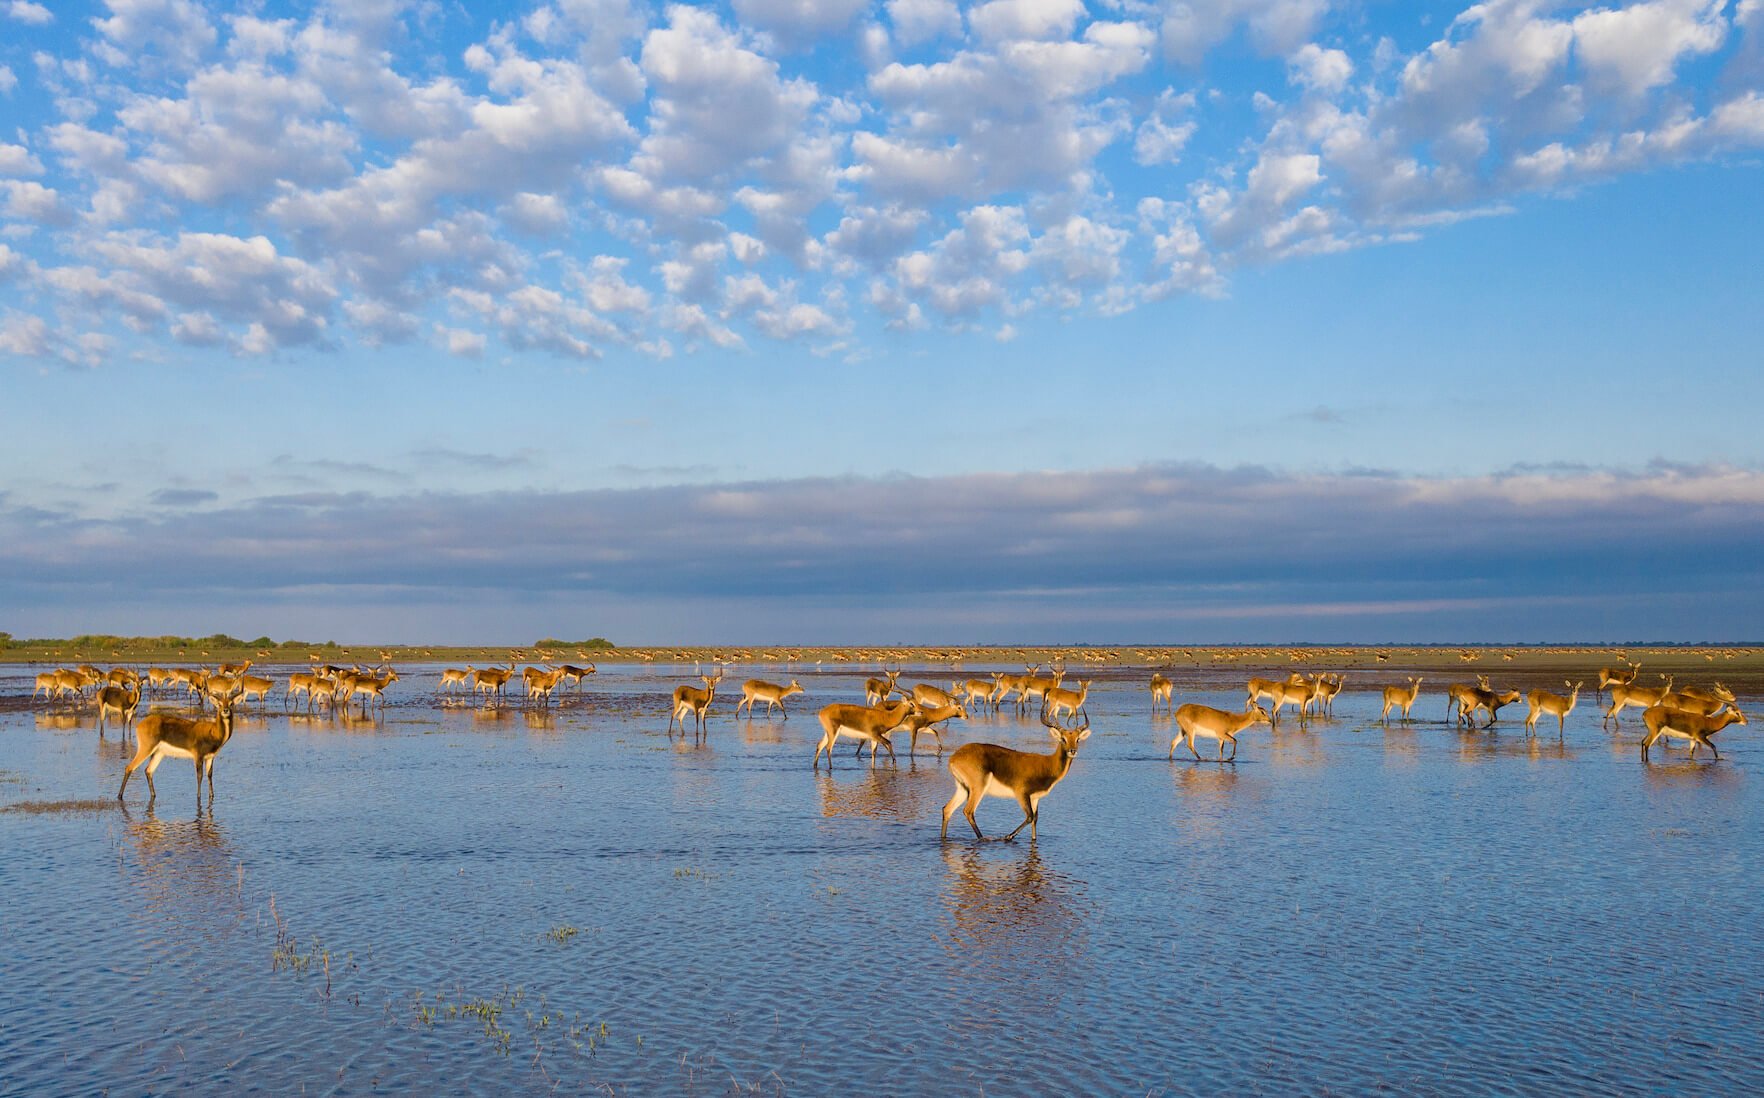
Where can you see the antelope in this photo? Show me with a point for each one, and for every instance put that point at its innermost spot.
(69, 682)
(926, 719)
(1327, 688)
(1458, 696)
(1401, 695)
(370, 687)
(577, 674)
(864, 723)
(1215, 724)
(1259, 688)
(1642, 697)
(1686, 702)
(160, 736)
(300, 682)
(771, 693)
(1610, 676)
(987, 770)
(158, 677)
(1299, 694)
(1037, 686)
(48, 684)
(542, 684)
(453, 676)
(1059, 699)
(925, 694)
(690, 699)
(876, 691)
(1539, 702)
(1160, 690)
(253, 684)
(121, 676)
(1006, 685)
(235, 669)
(1695, 727)
(1482, 698)
(1717, 697)
(491, 680)
(978, 690)
(122, 702)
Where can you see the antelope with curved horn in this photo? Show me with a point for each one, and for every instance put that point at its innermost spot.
(870, 724)
(1696, 728)
(769, 692)
(160, 736)
(1161, 689)
(987, 770)
(1214, 724)
(577, 674)
(1539, 702)
(542, 684)
(1699, 696)
(492, 680)
(1641, 697)
(690, 700)
(1403, 696)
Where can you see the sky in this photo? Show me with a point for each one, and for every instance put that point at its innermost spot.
(883, 321)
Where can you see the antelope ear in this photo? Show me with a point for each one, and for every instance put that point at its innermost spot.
(1084, 735)
(1055, 732)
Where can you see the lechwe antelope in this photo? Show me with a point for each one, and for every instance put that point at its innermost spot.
(1060, 701)
(1297, 694)
(1259, 688)
(372, 688)
(453, 676)
(491, 680)
(690, 700)
(254, 684)
(540, 684)
(870, 724)
(158, 677)
(46, 682)
(876, 691)
(1539, 702)
(1697, 699)
(1403, 696)
(300, 682)
(1327, 687)
(924, 694)
(988, 770)
(1214, 724)
(978, 691)
(121, 701)
(1161, 689)
(924, 719)
(577, 674)
(1610, 676)
(1036, 686)
(1458, 696)
(1491, 700)
(769, 692)
(1695, 727)
(160, 736)
(1641, 697)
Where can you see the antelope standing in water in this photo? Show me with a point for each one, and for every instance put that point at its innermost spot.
(1403, 696)
(160, 736)
(1694, 727)
(1540, 702)
(1161, 689)
(690, 700)
(870, 724)
(769, 692)
(1214, 724)
(987, 770)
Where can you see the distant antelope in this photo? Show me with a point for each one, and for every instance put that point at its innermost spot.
(769, 692)
(870, 724)
(1539, 702)
(1161, 688)
(1214, 724)
(1694, 727)
(690, 700)
(1403, 696)
(987, 770)
(160, 736)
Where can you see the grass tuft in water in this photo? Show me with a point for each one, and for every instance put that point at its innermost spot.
(61, 808)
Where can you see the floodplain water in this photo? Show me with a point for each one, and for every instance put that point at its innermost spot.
(445, 897)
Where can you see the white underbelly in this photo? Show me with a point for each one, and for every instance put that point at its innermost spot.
(168, 751)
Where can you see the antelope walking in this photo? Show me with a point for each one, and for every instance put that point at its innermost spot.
(160, 736)
(1678, 724)
(1214, 724)
(1641, 697)
(453, 676)
(926, 719)
(1539, 702)
(1161, 689)
(870, 724)
(123, 702)
(1491, 700)
(987, 770)
(769, 692)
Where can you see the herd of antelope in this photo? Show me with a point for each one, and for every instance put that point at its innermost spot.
(1690, 713)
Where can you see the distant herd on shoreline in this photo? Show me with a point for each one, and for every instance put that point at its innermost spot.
(1691, 713)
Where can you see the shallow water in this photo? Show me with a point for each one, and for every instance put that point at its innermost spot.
(1348, 907)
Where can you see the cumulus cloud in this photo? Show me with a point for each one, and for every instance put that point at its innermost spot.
(29, 13)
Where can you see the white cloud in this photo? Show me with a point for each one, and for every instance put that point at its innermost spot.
(1025, 19)
(1635, 49)
(460, 341)
(917, 21)
(16, 160)
(799, 22)
(26, 336)
(1318, 69)
(28, 200)
(8, 80)
(1166, 130)
(1191, 27)
(33, 14)
(176, 31)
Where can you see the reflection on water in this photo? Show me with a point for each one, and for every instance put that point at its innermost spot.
(1347, 903)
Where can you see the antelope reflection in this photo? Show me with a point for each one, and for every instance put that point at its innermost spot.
(1008, 921)
(893, 796)
(186, 873)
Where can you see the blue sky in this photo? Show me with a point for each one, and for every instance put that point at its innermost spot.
(295, 300)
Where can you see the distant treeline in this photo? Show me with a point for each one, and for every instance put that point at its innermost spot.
(106, 640)
(592, 642)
